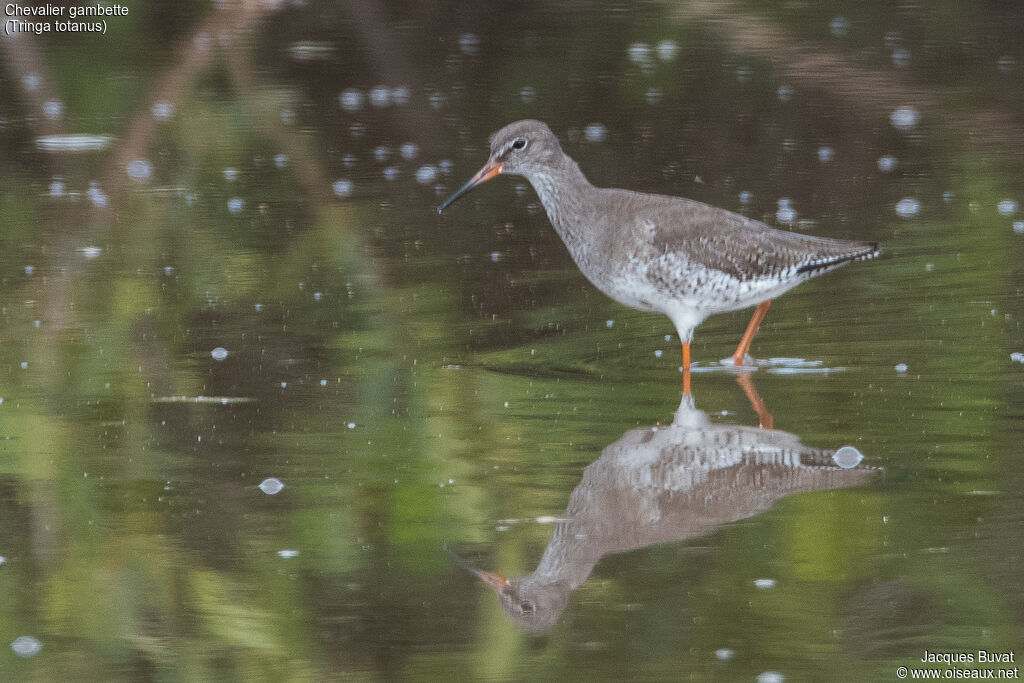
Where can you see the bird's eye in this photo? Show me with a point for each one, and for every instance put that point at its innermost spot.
(518, 143)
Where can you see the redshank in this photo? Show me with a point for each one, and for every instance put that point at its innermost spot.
(658, 253)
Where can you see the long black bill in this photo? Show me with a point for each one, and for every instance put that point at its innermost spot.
(490, 169)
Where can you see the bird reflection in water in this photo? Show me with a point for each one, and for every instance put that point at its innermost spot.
(666, 484)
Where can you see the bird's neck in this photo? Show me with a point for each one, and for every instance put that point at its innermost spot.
(564, 192)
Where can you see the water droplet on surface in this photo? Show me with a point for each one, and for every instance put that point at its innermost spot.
(900, 367)
(595, 132)
(390, 173)
(381, 153)
(784, 93)
(658, 353)
(904, 118)
(29, 270)
(1007, 207)
(230, 174)
(57, 188)
(495, 256)
(219, 353)
(351, 99)
(323, 383)
(1015, 356)
(97, 196)
(351, 425)
(724, 654)
(26, 646)
(825, 154)
(847, 457)
(886, 163)
(609, 323)
(281, 160)
(745, 197)
(139, 169)
(271, 486)
(907, 207)
(30, 81)
(342, 188)
(1018, 227)
(764, 583)
(639, 53)
(236, 205)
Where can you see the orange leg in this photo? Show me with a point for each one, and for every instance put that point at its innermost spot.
(748, 336)
(686, 367)
(764, 418)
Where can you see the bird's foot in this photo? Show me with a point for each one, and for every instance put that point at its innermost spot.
(744, 362)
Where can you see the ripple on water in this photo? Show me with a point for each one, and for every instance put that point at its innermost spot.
(904, 118)
(271, 486)
(907, 207)
(73, 143)
(847, 457)
(26, 646)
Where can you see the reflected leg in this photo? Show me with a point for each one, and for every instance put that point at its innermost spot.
(764, 418)
(748, 336)
(686, 367)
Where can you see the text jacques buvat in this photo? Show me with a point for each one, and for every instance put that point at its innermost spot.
(52, 18)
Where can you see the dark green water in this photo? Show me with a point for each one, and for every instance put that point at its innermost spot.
(261, 182)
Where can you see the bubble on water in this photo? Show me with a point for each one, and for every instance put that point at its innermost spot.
(257, 307)
(745, 197)
(97, 196)
(527, 94)
(3, 560)
(348, 161)
(317, 296)
(53, 109)
(886, 163)
(271, 486)
(770, 677)
(658, 353)
(900, 367)
(1016, 356)
(90, 252)
(24, 365)
(609, 323)
(342, 188)
(30, 81)
(469, 43)
(380, 96)
(26, 646)
(1006, 64)
(400, 95)
(139, 169)
(57, 188)
(639, 53)
(847, 457)
(907, 207)
(426, 174)
(409, 150)
(437, 100)
(381, 153)
(230, 173)
(653, 95)
(744, 73)
(288, 117)
(764, 583)
(281, 160)
(784, 93)
(1018, 227)
(236, 205)
(168, 270)
(785, 213)
(667, 50)
(29, 270)
(595, 132)
(495, 256)
(904, 118)
(390, 173)
(351, 425)
(351, 99)
(901, 57)
(446, 166)
(287, 554)
(839, 26)
(323, 383)
(1007, 207)
(826, 154)
(219, 353)
(724, 654)
(947, 196)
(163, 110)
